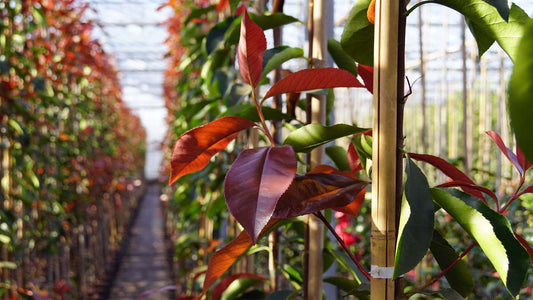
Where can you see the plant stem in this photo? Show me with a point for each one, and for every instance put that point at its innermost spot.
(262, 118)
(343, 245)
(407, 13)
(448, 268)
(515, 194)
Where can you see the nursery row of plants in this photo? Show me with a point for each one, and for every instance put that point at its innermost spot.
(247, 187)
(72, 154)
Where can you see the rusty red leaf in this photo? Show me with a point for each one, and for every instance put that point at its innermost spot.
(254, 184)
(313, 79)
(450, 171)
(224, 258)
(316, 191)
(193, 150)
(353, 159)
(367, 74)
(353, 207)
(506, 151)
(252, 44)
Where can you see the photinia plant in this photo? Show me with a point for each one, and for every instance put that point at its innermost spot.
(264, 185)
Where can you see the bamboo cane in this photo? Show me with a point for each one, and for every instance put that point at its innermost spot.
(318, 12)
(383, 238)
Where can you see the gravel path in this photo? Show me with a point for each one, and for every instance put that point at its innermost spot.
(144, 268)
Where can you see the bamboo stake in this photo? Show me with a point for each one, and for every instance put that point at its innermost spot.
(318, 12)
(385, 145)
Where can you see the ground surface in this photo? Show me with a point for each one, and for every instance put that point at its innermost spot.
(144, 268)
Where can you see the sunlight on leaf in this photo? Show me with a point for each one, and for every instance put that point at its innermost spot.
(520, 94)
(492, 232)
(252, 44)
(313, 79)
(193, 150)
(308, 137)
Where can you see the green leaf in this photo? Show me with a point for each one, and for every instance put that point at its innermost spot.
(39, 17)
(492, 232)
(357, 39)
(216, 37)
(502, 6)
(249, 112)
(349, 286)
(459, 276)
(348, 265)
(280, 295)
(198, 13)
(487, 25)
(264, 21)
(294, 275)
(273, 58)
(308, 137)
(363, 146)
(341, 58)
(238, 286)
(416, 221)
(520, 93)
(339, 156)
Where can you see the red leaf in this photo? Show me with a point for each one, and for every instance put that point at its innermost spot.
(450, 171)
(353, 159)
(313, 79)
(473, 186)
(506, 151)
(353, 207)
(224, 258)
(252, 44)
(195, 147)
(371, 13)
(254, 184)
(367, 73)
(524, 163)
(221, 5)
(226, 281)
(240, 10)
(526, 245)
(313, 192)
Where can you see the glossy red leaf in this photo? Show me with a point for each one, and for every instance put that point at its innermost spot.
(353, 159)
(254, 184)
(526, 245)
(224, 258)
(313, 192)
(506, 151)
(522, 160)
(226, 281)
(252, 44)
(450, 171)
(313, 79)
(473, 186)
(367, 73)
(193, 150)
(353, 207)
